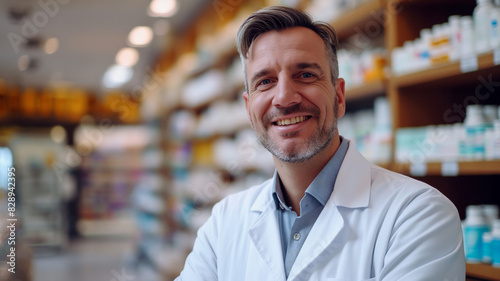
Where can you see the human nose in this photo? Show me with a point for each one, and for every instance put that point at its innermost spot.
(287, 94)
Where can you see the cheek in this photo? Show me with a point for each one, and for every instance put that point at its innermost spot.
(258, 107)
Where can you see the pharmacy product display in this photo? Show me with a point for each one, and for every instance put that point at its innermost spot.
(359, 68)
(370, 131)
(42, 186)
(478, 138)
(460, 38)
(480, 228)
(209, 147)
(116, 159)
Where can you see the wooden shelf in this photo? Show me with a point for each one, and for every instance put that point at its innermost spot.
(366, 90)
(352, 21)
(464, 168)
(484, 271)
(450, 72)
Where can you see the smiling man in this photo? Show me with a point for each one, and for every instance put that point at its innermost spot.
(327, 214)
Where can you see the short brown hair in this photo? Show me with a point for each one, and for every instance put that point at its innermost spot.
(278, 18)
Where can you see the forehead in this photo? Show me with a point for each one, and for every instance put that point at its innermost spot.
(298, 43)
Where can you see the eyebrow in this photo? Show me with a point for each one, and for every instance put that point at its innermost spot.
(306, 65)
(258, 75)
(300, 66)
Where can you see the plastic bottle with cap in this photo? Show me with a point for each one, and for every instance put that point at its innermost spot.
(468, 47)
(487, 238)
(495, 153)
(475, 128)
(495, 244)
(491, 214)
(475, 225)
(454, 37)
(494, 26)
(481, 16)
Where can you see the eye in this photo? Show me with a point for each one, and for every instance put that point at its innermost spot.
(307, 77)
(264, 84)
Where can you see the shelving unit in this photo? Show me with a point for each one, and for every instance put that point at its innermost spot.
(39, 189)
(416, 99)
(423, 98)
(483, 271)
(367, 90)
(355, 19)
(110, 174)
(446, 74)
(451, 168)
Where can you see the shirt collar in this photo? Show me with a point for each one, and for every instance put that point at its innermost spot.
(322, 186)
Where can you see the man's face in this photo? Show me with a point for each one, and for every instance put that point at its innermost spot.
(291, 101)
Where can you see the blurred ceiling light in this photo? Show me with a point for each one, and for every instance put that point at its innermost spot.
(58, 134)
(117, 75)
(127, 57)
(51, 46)
(140, 36)
(163, 8)
(23, 62)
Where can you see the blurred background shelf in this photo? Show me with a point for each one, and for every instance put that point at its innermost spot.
(483, 271)
(447, 74)
(355, 20)
(367, 90)
(464, 168)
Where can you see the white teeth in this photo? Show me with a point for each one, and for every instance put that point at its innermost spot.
(293, 120)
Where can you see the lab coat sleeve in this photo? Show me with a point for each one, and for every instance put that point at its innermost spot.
(426, 242)
(201, 263)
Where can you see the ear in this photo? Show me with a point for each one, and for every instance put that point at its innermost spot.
(340, 92)
(245, 98)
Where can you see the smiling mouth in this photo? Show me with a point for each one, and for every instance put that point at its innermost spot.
(291, 121)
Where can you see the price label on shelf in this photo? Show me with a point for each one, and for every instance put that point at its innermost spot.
(468, 64)
(418, 169)
(496, 57)
(449, 169)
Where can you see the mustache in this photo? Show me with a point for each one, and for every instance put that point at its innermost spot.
(276, 112)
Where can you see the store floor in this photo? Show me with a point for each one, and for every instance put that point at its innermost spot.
(100, 259)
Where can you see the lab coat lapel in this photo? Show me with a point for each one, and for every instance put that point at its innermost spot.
(328, 234)
(265, 235)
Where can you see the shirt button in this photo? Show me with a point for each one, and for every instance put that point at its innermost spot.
(296, 236)
(281, 206)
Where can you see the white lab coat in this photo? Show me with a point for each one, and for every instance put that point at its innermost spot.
(377, 225)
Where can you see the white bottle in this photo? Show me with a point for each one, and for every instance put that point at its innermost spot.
(475, 128)
(454, 37)
(496, 140)
(474, 227)
(494, 26)
(425, 56)
(495, 244)
(487, 238)
(490, 113)
(468, 48)
(481, 17)
(491, 214)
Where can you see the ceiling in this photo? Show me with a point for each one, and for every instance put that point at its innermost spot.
(90, 33)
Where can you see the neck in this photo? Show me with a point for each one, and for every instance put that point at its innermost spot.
(296, 177)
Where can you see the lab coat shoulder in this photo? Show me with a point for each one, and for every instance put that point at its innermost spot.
(221, 248)
(424, 236)
(400, 228)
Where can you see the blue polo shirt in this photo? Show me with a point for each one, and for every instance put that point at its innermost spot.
(295, 229)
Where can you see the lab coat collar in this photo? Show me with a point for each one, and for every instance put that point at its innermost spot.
(352, 187)
(328, 234)
(352, 190)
